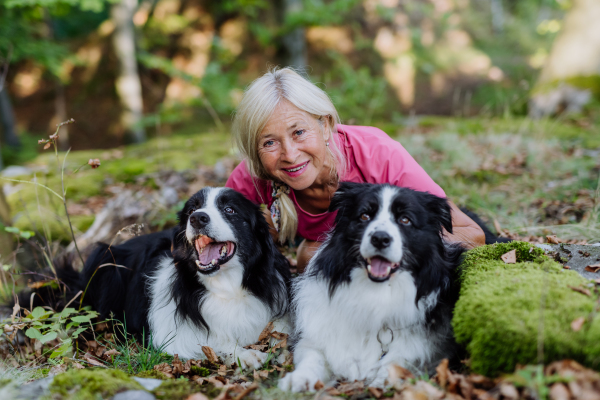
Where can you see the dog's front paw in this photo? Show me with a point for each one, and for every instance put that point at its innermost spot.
(380, 377)
(251, 359)
(298, 381)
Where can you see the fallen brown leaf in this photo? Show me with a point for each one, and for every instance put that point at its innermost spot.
(246, 391)
(350, 387)
(210, 354)
(222, 370)
(375, 392)
(39, 284)
(177, 365)
(577, 324)
(319, 385)
(593, 268)
(266, 332)
(16, 309)
(92, 361)
(218, 381)
(442, 373)
(553, 239)
(510, 257)
(581, 290)
(165, 369)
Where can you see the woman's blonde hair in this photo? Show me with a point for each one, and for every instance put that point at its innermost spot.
(259, 101)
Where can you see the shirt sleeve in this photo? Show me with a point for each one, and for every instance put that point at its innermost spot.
(253, 189)
(382, 159)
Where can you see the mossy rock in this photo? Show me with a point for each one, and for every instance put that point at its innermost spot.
(91, 384)
(506, 311)
(175, 389)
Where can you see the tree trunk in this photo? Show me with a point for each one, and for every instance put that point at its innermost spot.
(573, 68)
(294, 42)
(7, 117)
(128, 83)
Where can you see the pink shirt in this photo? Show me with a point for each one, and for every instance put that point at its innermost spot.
(372, 157)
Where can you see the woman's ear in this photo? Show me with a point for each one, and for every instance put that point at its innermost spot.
(327, 126)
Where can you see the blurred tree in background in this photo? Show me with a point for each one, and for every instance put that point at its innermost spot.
(125, 67)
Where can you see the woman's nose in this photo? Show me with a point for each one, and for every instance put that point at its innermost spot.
(289, 152)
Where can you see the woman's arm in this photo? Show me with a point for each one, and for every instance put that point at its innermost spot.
(464, 230)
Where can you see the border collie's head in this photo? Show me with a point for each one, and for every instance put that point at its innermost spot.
(223, 235)
(219, 228)
(383, 229)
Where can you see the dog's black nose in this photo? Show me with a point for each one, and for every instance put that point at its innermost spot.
(381, 240)
(199, 219)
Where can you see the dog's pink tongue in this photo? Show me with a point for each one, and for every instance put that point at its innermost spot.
(379, 266)
(210, 252)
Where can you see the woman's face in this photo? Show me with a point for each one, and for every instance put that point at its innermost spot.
(292, 147)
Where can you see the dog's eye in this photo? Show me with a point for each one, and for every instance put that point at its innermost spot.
(365, 217)
(229, 210)
(405, 221)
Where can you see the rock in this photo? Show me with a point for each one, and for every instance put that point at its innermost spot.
(35, 389)
(148, 383)
(575, 256)
(134, 395)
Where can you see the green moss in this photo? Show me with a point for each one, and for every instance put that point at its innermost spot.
(505, 310)
(91, 384)
(153, 374)
(175, 389)
(200, 371)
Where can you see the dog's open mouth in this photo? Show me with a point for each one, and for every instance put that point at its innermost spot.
(380, 269)
(212, 254)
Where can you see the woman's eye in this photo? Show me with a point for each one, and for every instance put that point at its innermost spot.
(365, 217)
(405, 221)
(268, 143)
(229, 210)
(299, 132)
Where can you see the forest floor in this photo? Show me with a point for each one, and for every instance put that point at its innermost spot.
(528, 179)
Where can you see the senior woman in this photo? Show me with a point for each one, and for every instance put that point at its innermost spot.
(296, 152)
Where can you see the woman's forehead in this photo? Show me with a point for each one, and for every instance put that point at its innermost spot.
(286, 116)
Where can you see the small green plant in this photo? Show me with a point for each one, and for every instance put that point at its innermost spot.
(136, 358)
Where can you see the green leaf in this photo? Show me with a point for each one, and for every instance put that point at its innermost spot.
(66, 312)
(38, 312)
(62, 350)
(81, 318)
(26, 234)
(48, 337)
(6, 267)
(12, 229)
(33, 334)
(75, 334)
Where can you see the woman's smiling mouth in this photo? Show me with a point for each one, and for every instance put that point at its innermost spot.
(297, 170)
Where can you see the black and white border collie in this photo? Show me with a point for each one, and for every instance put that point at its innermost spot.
(216, 280)
(379, 291)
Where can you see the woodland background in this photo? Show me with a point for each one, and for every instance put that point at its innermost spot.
(497, 99)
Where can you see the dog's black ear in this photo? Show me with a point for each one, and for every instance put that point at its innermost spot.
(345, 191)
(439, 208)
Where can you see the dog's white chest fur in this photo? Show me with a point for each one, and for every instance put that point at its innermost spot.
(235, 316)
(345, 328)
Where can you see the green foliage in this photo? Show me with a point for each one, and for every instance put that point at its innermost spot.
(510, 314)
(91, 384)
(358, 94)
(47, 325)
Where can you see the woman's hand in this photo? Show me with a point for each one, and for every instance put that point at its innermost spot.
(464, 230)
